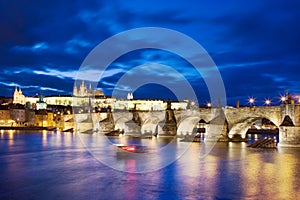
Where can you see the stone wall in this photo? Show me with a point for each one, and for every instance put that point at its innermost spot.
(289, 136)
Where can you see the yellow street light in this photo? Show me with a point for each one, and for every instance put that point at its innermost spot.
(267, 102)
(251, 100)
(282, 98)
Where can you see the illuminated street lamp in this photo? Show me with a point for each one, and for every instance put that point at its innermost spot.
(251, 100)
(208, 104)
(282, 99)
(267, 102)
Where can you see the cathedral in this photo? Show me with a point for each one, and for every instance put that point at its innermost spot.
(85, 95)
(19, 97)
(80, 95)
(83, 91)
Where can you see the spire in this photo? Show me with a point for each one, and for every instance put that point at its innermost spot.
(16, 91)
(41, 97)
(82, 89)
(75, 90)
(129, 96)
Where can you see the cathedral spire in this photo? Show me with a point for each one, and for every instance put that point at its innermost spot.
(82, 89)
(75, 91)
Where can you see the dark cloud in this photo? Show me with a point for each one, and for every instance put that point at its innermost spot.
(254, 44)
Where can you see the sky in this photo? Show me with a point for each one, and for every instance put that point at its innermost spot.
(254, 45)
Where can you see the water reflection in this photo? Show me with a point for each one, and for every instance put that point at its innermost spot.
(131, 187)
(44, 138)
(9, 136)
(58, 161)
(265, 173)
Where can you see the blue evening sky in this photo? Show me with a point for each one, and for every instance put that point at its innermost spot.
(254, 44)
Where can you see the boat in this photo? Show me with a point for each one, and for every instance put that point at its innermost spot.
(265, 143)
(132, 148)
(89, 131)
(68, 130)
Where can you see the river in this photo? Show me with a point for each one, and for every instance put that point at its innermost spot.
(54, 165)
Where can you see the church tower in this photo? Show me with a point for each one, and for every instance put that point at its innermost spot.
(19, 98)
(82, 89)
(129, 96)
(41, 104)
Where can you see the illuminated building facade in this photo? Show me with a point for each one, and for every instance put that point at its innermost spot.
(85, 96)
(44, 119)
(148, 105)
(5, 118)
(19, 97)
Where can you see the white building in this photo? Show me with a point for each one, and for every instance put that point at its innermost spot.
(41, 104)
(147, 105)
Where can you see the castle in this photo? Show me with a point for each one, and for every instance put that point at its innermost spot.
(83, 94)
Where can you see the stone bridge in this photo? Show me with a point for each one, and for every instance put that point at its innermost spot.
(286, 117)
(221, 123)
(186, 119)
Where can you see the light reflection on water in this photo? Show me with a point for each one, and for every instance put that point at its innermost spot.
(54, 165)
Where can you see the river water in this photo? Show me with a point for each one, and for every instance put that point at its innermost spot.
(53, 165)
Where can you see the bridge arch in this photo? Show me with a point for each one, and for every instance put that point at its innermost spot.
(120, 123)
(242, 127)
(149, 124)
(187, 125)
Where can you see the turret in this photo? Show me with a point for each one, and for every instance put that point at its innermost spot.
(129, 96)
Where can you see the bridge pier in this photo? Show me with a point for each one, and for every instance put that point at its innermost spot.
(217, 129)
(289, 130)
(289, 136)
(133, 126)
(169, 124)
(215, 132)
(108, 124)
